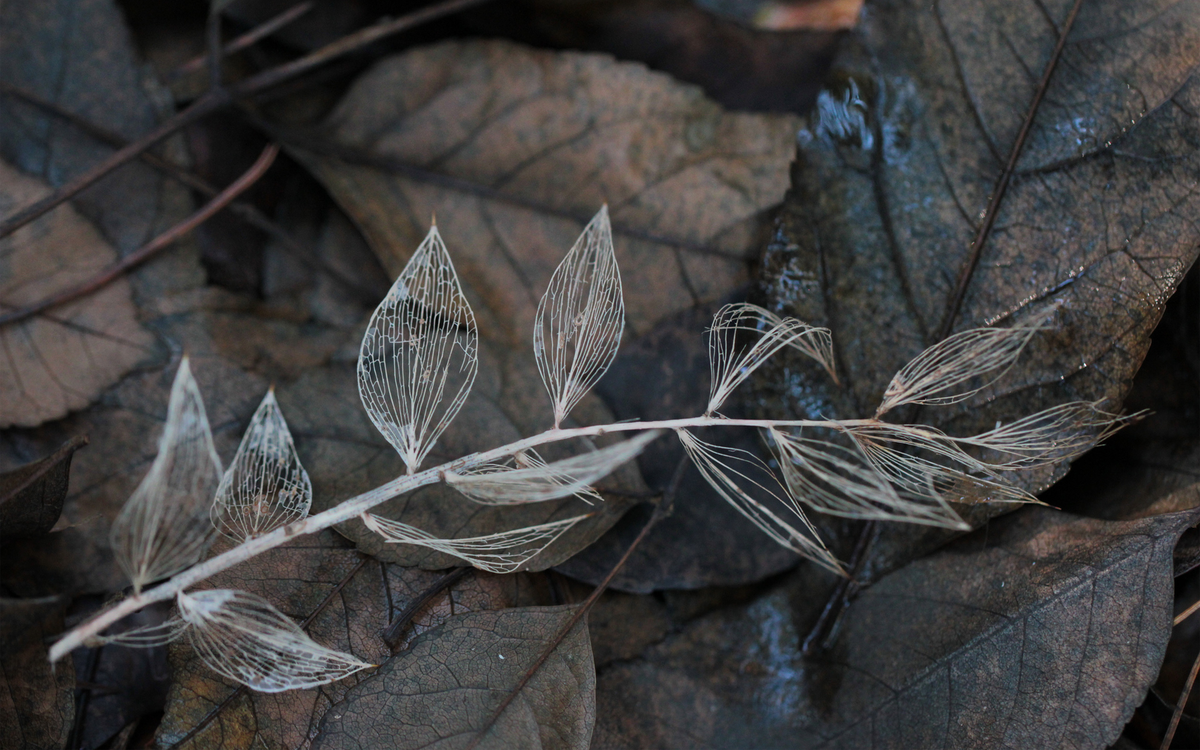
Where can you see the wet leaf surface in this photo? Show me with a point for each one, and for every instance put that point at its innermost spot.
(1043, 631)
(296, 579)
(1096, 223)
(440, 691)
(432, 131)
(36, 704)
(31, 497)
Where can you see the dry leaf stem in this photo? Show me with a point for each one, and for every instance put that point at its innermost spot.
(264, 29)
(221, 97)
(156, 245)
(356, 506)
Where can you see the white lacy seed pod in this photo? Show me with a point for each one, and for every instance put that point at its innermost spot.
(265, 487)
(538, 481)
(717, 464)
(731, 360)
(1060, 433)
(420, 353)
(842, 481)
(580, 318)
(504, 552)
(244, 638)
(164, 526)
(956, 360)
(146, 636)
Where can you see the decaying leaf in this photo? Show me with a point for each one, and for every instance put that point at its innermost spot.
(60, 361)
(1043, 632)
(442, 690)
(266, 486)
(31, 497)
(297, 578)
(164, 527)
(242, 637)
(580, 318)
(420, 353)
(731, 361)
(1094, 232)
(37, 705)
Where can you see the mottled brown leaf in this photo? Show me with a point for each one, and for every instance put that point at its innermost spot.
(1098, 223)
(31, 497)
(296, 579)
(1045, 631)
(36, 703)
(440, 692)
(62, 360)
(515, 149)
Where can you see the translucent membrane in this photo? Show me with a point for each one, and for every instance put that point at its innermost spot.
(164, 526)
(420, 354)
(265, 487)
(580, 318)
(722, 467)
(504, 552)
(244, 638)
(731, 359)
(535, 481)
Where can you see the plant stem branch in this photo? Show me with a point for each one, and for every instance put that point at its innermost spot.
(1177, 714)
(142, 254)
(265, 29)
(391, 634)
(356, 506)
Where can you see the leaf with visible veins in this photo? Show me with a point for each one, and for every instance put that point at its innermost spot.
(440, 691)
(36, 702)
(296, 579)
(1043, 631)
(1098, 222)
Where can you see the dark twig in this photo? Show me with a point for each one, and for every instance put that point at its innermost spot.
(241, 689)
(263, 30)
(395, 630)
(54, 459)
(660, 512)
(160, 242)
(213, 35)
(993, 207)
(1180, 704)
(216, 99)
(842, 593)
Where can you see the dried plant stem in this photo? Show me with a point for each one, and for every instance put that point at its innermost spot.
(219, 98)
(265, 29)
(1180, 705)
(162, 241)
(359, 504)
(395, 630)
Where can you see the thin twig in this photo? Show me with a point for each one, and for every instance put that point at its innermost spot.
(263, 30)
(216, 99)
(660, 512)
(247, 212)
(241, 689)
(993, 208)
(837, 601)
(160, 242)
(1187, 613)
(213, 34)
(1180, 704)
(391, 634)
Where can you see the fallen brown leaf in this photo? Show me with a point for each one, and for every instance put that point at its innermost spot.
(1044, 631)
(440, 691)
(37, 705)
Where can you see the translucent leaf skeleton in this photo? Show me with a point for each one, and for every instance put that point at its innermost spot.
(416, 366)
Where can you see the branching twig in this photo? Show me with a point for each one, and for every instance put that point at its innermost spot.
(144, 253)
(263, 30)
(220, 98)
